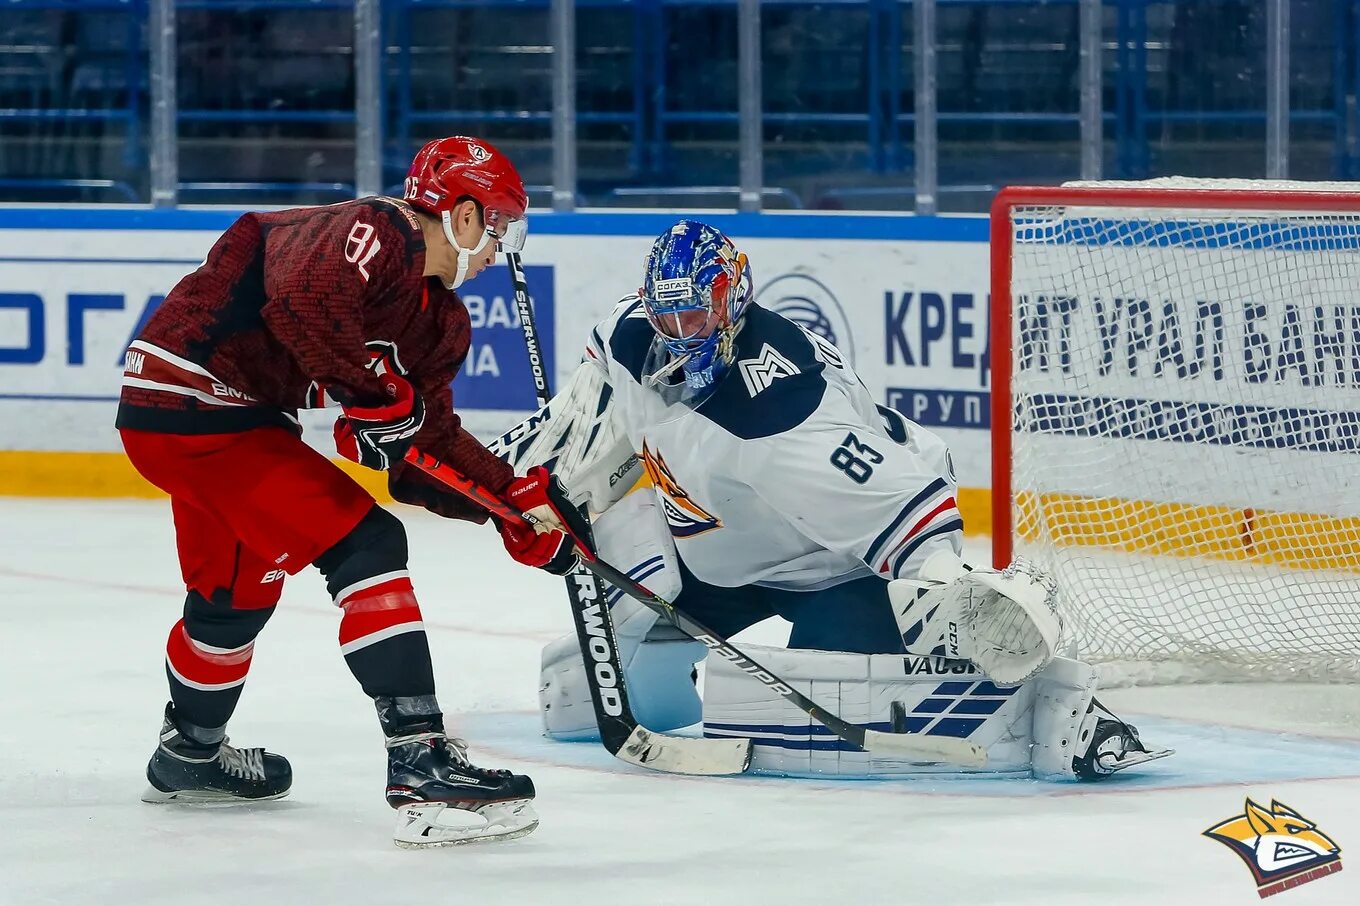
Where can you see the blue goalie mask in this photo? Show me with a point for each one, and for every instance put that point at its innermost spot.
(695, 291)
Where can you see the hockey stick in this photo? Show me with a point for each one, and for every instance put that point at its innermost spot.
(620, 731)
(904, 745)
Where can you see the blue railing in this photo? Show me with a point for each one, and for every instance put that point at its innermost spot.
(73, 116)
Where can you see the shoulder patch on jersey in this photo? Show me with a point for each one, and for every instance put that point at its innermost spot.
(781, 379)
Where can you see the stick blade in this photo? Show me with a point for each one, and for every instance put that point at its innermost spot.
(685, 754)
(918, 747)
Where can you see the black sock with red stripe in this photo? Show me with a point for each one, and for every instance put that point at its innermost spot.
(207, 657)
(381, 633)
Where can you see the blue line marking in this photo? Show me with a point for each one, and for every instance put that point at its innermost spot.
(637, 570)
(805, 745)
(614, 595)
(808, 729)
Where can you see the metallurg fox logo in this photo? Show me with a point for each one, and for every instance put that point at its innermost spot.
(1282, 848)
(685, 517)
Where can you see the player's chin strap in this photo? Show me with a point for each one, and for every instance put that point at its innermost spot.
(722, 358)
(659, 377)
(464, 255)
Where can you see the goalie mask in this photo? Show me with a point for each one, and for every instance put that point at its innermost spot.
(695, 291)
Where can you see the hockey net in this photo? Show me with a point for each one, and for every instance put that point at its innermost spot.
(1176, 421)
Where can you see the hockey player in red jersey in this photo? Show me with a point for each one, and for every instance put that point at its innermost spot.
(353, 304)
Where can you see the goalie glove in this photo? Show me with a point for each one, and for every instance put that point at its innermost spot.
(1006, 622)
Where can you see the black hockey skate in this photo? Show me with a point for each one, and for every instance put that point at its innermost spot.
(190, 766)
(1114, 746)
(443, 799)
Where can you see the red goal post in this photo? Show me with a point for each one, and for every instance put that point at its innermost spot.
(1136, 259)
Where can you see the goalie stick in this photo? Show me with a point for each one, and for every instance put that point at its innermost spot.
(620, 732)
(891, 744)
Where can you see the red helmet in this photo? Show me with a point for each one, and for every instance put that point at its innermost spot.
(447, 169)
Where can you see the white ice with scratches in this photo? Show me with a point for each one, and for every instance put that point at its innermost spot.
(88, 591)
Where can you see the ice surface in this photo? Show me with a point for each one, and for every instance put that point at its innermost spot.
(90, 590)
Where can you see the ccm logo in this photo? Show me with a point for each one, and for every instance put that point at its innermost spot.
(274, 575)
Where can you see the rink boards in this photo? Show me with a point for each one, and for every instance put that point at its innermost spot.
(905, 298)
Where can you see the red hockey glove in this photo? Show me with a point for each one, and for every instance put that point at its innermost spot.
(551, 550)
(378, 437)
(540, 494)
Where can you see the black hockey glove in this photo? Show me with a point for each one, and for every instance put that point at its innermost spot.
(378, 437)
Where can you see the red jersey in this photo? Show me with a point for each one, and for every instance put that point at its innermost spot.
(290, 308)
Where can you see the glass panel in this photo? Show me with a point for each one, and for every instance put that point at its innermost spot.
(611, 97)
(1205, 70)
(1318, 80)
(266, 92)
(266, 101)
(825, 129)
(692, 155)
(1200, 107)
(1008, 97)
(458, 68)
(72, 112)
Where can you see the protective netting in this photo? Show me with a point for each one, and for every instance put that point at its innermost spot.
(1186, 433)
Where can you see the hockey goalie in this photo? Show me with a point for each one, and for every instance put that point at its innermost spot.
(732, 461)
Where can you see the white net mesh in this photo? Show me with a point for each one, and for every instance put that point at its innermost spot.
(1186, 437)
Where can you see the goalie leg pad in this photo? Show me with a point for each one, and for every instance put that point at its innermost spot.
(931, 695)
(577, 438)
(1063, 695)
(1075, 735)
(658, 661)
(659, 674)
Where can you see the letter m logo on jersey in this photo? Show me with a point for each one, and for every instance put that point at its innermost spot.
(762, 371)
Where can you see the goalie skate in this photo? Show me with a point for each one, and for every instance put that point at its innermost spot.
(1114, 747)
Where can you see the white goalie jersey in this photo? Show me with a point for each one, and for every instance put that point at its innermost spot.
(787, 475)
